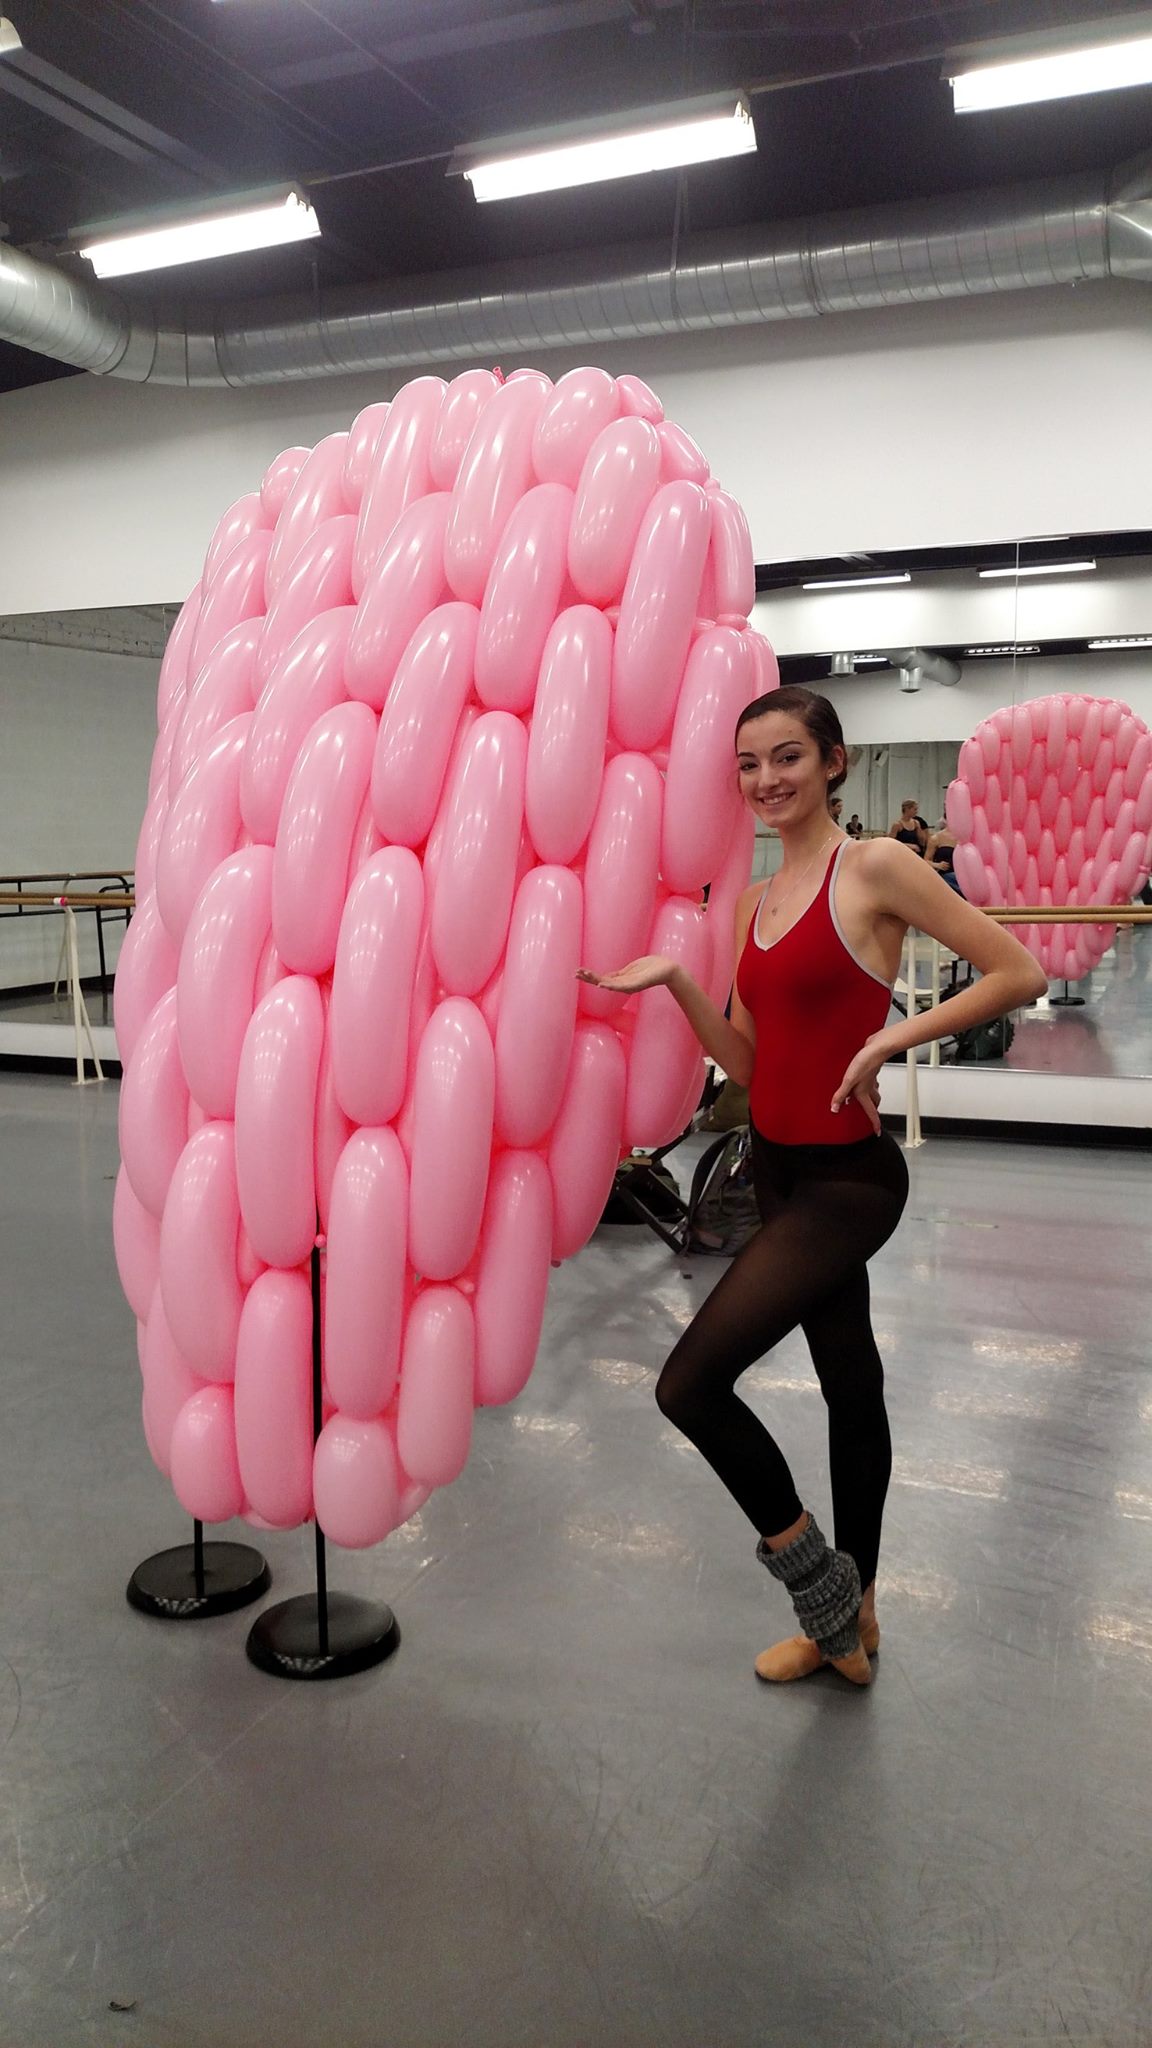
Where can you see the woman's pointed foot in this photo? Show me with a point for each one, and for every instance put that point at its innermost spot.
(798, 1657)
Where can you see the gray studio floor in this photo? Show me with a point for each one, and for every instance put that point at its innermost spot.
(566, 1815)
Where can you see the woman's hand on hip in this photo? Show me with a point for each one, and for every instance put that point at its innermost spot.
(862, 1082)
(653, 971)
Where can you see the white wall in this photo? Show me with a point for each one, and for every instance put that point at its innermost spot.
(77, 736)
(923, 425)
(874, 711)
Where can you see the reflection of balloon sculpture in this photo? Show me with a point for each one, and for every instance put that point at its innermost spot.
(450, 712)
(1053, 806)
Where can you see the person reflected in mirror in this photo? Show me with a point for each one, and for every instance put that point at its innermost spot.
(817, 949)
(909, 828)
(939, 854)
(854, 828)
(835, 806)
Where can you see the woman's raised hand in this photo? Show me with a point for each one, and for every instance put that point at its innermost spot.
(654, 971)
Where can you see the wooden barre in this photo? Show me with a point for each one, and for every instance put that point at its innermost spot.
(67, 901)
(1070, 913)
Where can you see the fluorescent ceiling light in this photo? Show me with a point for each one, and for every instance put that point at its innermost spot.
(9, 40)
(266, 224)
(1063, 74)
(1125, 640)
(1013, 647)
(871, 660)
(1041, 569)
(855, 582)
(658, 139)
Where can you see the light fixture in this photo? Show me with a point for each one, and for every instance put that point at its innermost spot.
(1124, 640)
(855, 582)
(1012, 647)
(871, 660)
(586, 153)
(258, 221)
(1054, 74)
(9, 39)
(1041, 569)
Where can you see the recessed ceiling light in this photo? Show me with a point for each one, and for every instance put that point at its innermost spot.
(1041, 569)
(1061, 74)
(1124, 640)
(1012, 647)
(262, 221)
(854, 582)
(587, 153)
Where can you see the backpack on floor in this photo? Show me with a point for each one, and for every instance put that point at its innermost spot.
(985, 1041)
(722, 1213)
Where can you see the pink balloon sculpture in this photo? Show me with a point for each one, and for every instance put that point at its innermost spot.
(449, 715)
(1053, 806)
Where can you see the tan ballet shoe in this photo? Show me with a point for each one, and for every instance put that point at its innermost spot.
(798, 1657)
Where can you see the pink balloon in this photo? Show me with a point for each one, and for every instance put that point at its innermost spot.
(720, 919)
(494, 474)
(136, 1238)
(372, 982)
(216, 982)
(583, 403)
(613, 493)
(203, 825)
(316, 494)
(400, 471)
(521, 597)
(538, 1005)
(333, 1130)
(356, 1482)
(278, 480)
(224, 689)
(237, 594)
(247, 516)
(318, 579)
(620, 874)
(173, 677)
(360, 449)
(639, 398)
(151, 833)
(767, 666)
(584, 1147)
(273, 1399)
(276, 1121)
(656, 616)
(314, 837)
(565, 763)
(169, 1382)
(452, 1117)
(205, 1472)
(419, 723)
(406, 581)
(464, 401)
(733, 562)
(1138, 765)
(367, 1253)
(680, 457)
(718, 682)
(198, 1232)
(512, 1275)
(970, 873)
(958, 809)
(665, 1050)
(154, 1107)
(434, 1410)
(145, 969)
(476, 873)
(308, 681)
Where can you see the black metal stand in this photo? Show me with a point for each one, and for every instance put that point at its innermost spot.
(1066, 1002)
(321, 1634)
(198, 1579)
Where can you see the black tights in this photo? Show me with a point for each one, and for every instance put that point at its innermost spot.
(825, 1210)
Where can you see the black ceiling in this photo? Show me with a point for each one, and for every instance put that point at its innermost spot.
(127, 104)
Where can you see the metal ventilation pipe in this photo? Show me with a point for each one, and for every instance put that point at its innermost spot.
(1009, 239)
(921, 663)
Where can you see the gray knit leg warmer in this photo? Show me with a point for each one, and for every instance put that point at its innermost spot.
(825, 1589)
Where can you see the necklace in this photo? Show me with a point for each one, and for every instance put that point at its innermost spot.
(774, 908)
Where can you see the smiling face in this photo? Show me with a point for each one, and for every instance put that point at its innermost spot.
(783, 776)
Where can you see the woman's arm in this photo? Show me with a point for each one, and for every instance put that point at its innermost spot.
(731, 1045)
(903, 887)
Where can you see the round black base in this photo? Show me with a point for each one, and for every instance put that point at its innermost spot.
(165, 1585)
(1066, 1002)
(286, 1639)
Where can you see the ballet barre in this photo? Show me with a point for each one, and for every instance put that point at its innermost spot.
(68, 905)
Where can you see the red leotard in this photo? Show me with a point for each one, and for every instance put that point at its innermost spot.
(813, 1004)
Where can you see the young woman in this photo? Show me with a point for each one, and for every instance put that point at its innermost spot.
(939, 853)
(817, 951)
(909, 828)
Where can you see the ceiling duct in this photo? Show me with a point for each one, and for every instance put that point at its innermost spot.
(1006, 239)
(923, 664)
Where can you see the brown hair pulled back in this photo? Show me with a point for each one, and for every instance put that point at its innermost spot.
(816, 715)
